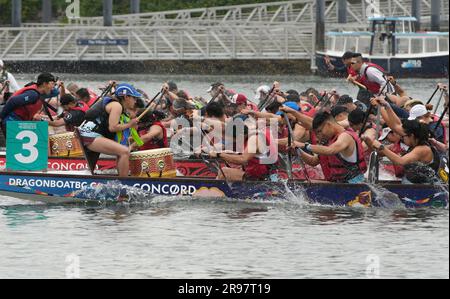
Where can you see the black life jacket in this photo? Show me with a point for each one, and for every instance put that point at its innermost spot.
(98, 115)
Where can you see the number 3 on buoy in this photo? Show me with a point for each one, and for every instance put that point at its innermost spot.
(27, 146)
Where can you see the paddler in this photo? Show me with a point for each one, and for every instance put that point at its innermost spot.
(152, 132)
(73, 115)
(28, 101)
(103, 122)
(342, 159)
(259, 154)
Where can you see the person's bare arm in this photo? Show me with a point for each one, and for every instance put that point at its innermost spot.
(57, 123)
(249, 153)
(342, 143)
(389, 116)
(306, 121)
(115, 110)
(417, 154)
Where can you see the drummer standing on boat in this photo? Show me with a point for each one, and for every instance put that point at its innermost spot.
(28, 101)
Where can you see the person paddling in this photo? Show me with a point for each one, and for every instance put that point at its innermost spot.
(28, 101)
(103, 122)
(342, 158)
(73, 115)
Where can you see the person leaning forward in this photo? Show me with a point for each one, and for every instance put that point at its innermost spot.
(103, 122)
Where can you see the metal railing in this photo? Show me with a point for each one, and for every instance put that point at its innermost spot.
(297, 11)
(143, 43)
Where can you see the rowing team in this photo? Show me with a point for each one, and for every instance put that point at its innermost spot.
(329, 130)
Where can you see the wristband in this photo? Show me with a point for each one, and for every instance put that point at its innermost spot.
(307, 147)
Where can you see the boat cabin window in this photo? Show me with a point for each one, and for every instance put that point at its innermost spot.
(416, 46)
(443, 44)
(430, 45)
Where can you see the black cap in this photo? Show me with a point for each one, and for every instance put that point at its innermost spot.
(172, 86)
(45, 78)
(67, 99)
(214, 85)
(348, 55)
(355, 55)
(338, 110)
(345, 99)
(292, 97)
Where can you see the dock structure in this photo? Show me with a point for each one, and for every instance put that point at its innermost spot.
(275, 30)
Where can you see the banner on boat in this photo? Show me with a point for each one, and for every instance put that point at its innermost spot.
(27, 146)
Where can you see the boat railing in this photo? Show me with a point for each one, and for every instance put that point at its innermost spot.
(407, 43)
(422, 42)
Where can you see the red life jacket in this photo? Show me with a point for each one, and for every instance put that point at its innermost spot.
(155, 143)
(255, 170)
(351, 71)
(92, 98)
(323, 160)
(372, 87)
(397, 148)
(252, 106)
(282, 135)
(336, 169)
(27, 112)
(81, 106)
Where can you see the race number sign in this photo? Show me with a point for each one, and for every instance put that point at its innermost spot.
(26, 146)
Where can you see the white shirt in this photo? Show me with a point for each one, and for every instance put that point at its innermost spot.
(13, 86)
(373, 75)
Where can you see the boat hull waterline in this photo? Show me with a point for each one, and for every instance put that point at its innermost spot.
(78, 188)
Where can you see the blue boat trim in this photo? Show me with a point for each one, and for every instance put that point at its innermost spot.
(399, 19)
(350, 33)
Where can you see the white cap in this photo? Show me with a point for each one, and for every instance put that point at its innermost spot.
(2, 64)
(417, 111)
(384, 133)
(262, 89)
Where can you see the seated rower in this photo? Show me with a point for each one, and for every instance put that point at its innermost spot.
(259, 154)
(28, 101)
(152, 132)
(103, 122)
(73, 115)
(421, 162)
(342, 159)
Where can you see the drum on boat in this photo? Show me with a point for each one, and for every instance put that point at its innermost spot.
(65, 145)
(157, 163)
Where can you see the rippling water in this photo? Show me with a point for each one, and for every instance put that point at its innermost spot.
(185, 238)
(218, 239)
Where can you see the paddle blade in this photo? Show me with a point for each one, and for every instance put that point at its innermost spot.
(373, 168)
